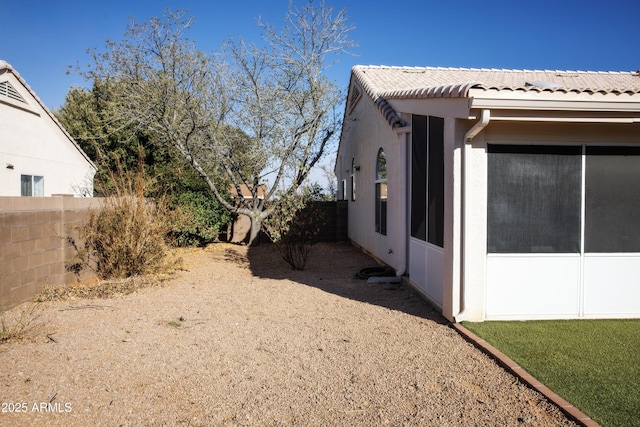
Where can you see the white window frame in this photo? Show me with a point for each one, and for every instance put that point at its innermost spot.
(380, 182)
(36, 185)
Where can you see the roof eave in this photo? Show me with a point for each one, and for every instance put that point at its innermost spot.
(575, 105)
(623, 102)
(378, 98)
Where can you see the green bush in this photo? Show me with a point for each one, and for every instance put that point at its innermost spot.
(197, 219)
(293, 226)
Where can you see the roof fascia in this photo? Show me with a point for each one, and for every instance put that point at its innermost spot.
(553, 101)
(554, 116)
(441, 107)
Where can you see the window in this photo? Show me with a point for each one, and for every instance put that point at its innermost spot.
(419, 178)
(536, 196)
(31, 185)
(344, 189)
(353, 179)
(427, 179)
(381, 193)
(534, 199)
(435, 184)
(612, 199)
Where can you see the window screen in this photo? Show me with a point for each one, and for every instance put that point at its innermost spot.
(534, 199)
(612, 199)
(38, 186)
(31, 185)
(26, 185)
(419, 178)
(381, 193)
(435, 214)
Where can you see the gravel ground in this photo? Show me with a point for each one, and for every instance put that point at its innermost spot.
(239, 339)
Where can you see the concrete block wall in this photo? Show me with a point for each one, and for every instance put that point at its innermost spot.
(34, 245)
(342, 231)
(334, 228)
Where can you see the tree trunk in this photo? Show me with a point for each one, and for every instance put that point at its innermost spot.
(254, 235)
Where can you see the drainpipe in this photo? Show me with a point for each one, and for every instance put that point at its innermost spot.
(403, 134)
(485, 117)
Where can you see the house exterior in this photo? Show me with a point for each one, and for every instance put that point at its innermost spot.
(498, 194)
(38, 157)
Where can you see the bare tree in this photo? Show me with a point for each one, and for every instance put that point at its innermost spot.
(332, 181)
(257, 117)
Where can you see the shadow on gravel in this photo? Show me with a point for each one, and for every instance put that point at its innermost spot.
(331, 267)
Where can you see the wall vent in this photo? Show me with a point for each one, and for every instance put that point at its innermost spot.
(356, 93)
(8, 91)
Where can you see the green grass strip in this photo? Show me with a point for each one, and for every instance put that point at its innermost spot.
(593, 364)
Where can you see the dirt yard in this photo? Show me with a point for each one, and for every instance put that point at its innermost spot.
(239, 339)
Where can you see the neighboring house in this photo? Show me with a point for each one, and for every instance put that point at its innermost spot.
(499, 194)
(246, 192)
(239, 229)
(38, 157)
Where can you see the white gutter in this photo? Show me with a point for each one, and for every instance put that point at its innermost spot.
(403, 134)
(485, 118)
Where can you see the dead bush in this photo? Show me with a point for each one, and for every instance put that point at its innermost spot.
(127, 236)
(14, 325)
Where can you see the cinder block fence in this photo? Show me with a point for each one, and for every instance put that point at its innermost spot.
(34, 245)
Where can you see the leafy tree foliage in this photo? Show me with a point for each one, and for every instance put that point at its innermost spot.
(254, 118)
(90, 117)
(294, 225)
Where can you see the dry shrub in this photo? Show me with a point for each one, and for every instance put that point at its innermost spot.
(101, 290)
(127, 236)
(14, 325)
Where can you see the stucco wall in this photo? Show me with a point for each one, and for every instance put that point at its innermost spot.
(31, 143)
(34, 245)
(366, 132)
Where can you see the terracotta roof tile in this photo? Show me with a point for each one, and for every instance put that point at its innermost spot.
(383, 83)
(430, 82)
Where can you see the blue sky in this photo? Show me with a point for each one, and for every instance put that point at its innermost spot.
(41, 38)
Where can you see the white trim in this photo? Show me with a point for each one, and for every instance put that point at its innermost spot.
(583, 217)
(530, 287)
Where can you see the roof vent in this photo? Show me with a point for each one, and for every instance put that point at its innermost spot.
(7, 90)
(543, 85)
(355, 96)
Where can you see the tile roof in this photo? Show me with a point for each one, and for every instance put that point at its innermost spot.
(430, 82)
(384, 83)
